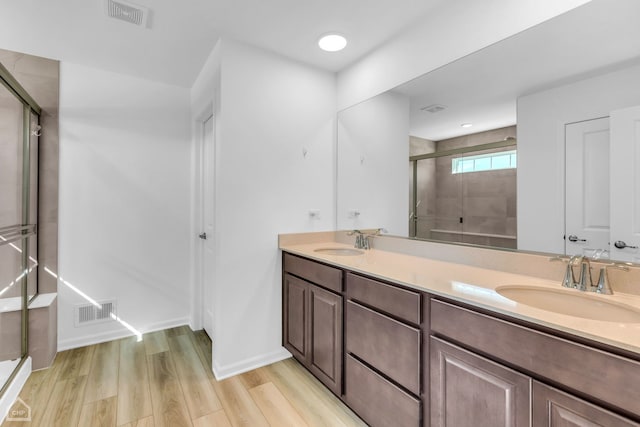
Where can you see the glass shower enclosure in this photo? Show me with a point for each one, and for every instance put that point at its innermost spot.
(466, 195)
(19, 131)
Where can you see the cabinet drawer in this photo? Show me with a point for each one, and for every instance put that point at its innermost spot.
(320, 274)
(376, 400)
(601, 375)
(390, 346)
(552, 407)
(398, 302)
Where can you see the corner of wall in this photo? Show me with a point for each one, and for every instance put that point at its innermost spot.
(222, 372)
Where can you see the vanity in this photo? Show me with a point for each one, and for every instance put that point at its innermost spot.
(419, 333)
(411, 341)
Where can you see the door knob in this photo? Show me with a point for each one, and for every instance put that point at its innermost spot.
(574, 238)
(621, 245)
(203, 236)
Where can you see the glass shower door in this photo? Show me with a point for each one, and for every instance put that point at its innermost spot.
(19, 133)
(438, 203)
(11, 244)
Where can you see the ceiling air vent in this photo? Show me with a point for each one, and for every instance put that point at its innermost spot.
(128, 12)
(435, 108)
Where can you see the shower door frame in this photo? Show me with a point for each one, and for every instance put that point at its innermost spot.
(30, 106)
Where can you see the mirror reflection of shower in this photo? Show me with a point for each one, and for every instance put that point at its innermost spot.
(463, 189)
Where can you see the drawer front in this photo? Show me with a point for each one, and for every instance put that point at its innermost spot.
(395, 301)
(390, 346)
(376, 400)
(320, 274)
(603, 376)
(553, 408)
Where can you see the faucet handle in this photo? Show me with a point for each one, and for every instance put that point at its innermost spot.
(604, 286)
(568, 281)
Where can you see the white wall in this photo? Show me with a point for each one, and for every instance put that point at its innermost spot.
(452, 30)
(541, 129)
(373, 164)
(271, 109)
(124, 201)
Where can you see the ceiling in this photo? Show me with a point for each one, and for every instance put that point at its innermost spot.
(482, 88)
(181, 34)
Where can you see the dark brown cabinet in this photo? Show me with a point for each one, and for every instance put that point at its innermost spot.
(412, 359)
(377, 400)
(386, 344)
(312, 320)
(383, 364)
(468, 390)
(296, 294)
(325, 331)
(554, 408)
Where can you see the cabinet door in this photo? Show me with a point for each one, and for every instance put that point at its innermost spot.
(325, 358)
(468, 390)
(295, 333)
(554, 408)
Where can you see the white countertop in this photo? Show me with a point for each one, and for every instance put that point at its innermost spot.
(477, 286)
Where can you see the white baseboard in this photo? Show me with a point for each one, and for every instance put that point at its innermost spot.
(82, 341)
(10, 396)
(222, 372)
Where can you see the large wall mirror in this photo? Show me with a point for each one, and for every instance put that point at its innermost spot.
(532, 143)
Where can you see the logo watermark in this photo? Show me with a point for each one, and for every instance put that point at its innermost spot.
(20, 411)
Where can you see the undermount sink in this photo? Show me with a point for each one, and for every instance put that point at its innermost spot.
(339, 251)
(572, 303)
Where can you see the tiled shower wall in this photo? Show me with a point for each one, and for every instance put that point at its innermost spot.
(486, 201)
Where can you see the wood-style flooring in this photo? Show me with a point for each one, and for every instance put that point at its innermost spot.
(166, 380)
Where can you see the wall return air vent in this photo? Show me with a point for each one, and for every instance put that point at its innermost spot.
(88, 314)
(128, 12)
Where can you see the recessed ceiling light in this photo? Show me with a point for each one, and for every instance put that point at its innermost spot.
(466, 125)
(332, 42)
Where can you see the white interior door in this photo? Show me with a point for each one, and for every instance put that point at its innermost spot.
(587, 221)
(207, 236)
(625, 184)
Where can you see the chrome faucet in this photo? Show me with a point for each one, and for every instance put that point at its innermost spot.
(585, 279)
(362, 239)
(569, 280)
